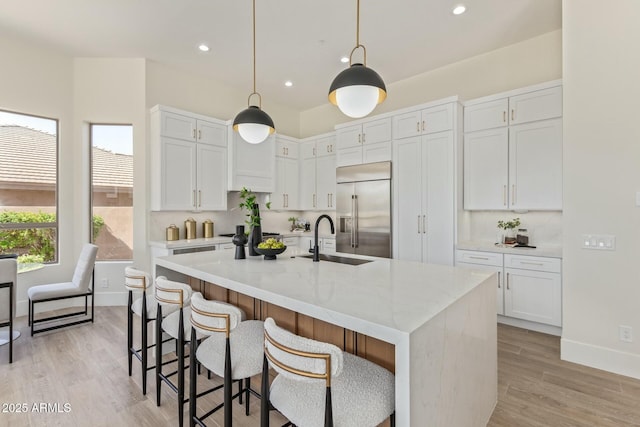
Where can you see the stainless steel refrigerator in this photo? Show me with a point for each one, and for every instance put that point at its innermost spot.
(363, 209)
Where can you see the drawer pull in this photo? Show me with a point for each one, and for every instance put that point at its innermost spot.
(499, 279)
(507, 281)
(532, 263)
(479, 257)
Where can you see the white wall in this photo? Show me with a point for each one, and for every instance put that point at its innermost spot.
(601, 178)
(532, 61)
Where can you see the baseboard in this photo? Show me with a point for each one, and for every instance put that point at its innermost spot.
(618, 362)
(532, 326)
(102, 299)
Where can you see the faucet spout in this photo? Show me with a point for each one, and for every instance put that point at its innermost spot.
(316, 249)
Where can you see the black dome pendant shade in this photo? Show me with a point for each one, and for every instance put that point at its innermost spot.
(253, 114)
(358, 75)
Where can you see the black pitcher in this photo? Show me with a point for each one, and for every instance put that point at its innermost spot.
(255, 234)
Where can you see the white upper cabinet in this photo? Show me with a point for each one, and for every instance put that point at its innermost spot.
(252, 165)
(285, 196)
(523, 108)
(287, 147)
(318, 173)
(426, 121)
(513, 151)
(188, 161)
(364, 143)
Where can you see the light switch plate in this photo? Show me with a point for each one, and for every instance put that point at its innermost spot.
(604, 242)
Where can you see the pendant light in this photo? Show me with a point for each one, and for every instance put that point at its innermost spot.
(253, 124)
(358, 89)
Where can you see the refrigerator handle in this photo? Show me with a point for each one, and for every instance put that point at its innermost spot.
(353, 207)
(356, 214)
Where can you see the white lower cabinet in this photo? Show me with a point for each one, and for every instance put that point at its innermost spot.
(290, 242)
(528, 287)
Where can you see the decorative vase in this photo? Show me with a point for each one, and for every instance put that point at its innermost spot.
(240, 239)
(510, 236)
(255, 234)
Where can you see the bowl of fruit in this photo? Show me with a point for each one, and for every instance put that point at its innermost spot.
(270, 248)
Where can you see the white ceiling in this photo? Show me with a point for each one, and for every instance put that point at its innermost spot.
(297, 40)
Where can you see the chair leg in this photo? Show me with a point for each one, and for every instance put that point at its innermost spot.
(264, 392)
(240, 393)
(11, 314)
(130, 331)
(392, 419)
(328, 409)
(31, 314)
(180, 353)
(193, 379)
(247, 387)
(158, 353)
(145, 352)
(227, 385)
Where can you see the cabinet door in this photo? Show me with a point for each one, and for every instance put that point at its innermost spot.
(307, 188)
(212, 133)
(305, 242)
(291, 184)
(535, 165)
(252, 165)
(308, 150)
(349, 156)
(534, 296)
(437, 119)
(211, 177)
(328, 245)
(326, 182)
(278, 197)
(286, 148)
(537, 105)
(326, 146)
(486, 169)
(438, 198)
(406, 125)
(407, 206)
(486, 115)
(379, 152)
(499, 281)
(178, 175)
(349, 137)
(376, 131)
(177, 126)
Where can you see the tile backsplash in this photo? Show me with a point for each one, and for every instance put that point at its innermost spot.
(544, 228)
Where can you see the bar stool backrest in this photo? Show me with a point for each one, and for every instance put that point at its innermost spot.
(137, 280)
(170, 292)
(210, 317)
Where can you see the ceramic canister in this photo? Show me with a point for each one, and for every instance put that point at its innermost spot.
(190, 228)
(207, 229)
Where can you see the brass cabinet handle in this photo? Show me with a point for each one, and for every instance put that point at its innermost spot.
(513, 114)
(193, 132)
(314, 200)
(504, 195)
(284, 204)
(498, 280)
(513, 194)
(507, 281)
(504, 117)
(364, 136)
(328, 149)
(424, 224)
(199, 134)
(359, 138)
(532, 263)
(423, 126)
(194, 198)
(199, 198)
(479, 257)
(314, 151)
(419, 225)
(417, 126)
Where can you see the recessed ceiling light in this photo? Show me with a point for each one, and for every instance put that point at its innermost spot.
(459, 10)
(204, 48)
(288, 83)
(344, 59)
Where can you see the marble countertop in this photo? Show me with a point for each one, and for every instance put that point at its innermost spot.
(552, 251)
(386, 299)
(195, 243)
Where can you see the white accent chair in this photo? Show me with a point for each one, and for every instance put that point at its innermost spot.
(232, 350)
(8, 281)
(320, 385)
(173, 297)
(79, 286)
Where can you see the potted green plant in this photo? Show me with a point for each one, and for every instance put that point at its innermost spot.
(293, 221)
(248, 203)
(508, 227)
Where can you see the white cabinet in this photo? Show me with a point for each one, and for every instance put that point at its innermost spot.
(328, 245)
(285, 196)
(318, 173)
(424, 193)
(290, 242)
(188, 161)
(529, 287)
(422, 122)
(364, 143)
(252, 165)
(513, 152)
(485, 261)
(523, 108)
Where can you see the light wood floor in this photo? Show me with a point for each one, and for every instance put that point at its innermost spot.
(85, 367)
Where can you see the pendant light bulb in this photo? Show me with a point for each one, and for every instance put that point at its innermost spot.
(358, 89)
(253, 124)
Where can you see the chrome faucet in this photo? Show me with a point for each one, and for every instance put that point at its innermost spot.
(316, 249)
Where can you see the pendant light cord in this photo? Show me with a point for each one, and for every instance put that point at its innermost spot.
(358, 45)
(254, 46)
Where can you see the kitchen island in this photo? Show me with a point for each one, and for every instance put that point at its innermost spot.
(441, 320)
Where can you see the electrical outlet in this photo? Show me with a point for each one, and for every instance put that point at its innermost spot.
(104, 283)
(626, 333)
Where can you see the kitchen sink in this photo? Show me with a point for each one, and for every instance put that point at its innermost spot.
(338, 259)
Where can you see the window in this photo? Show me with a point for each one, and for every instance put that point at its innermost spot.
(112, 191)
(29, 187)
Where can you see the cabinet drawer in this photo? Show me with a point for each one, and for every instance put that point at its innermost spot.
(329, 244)
(552, 265)
(482, 258)
(224, 246)
(290, 241)
(486, 115)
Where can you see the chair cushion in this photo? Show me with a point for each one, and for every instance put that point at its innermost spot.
(246, 342)
(54, 290)
(362, 395)
(152, 307)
